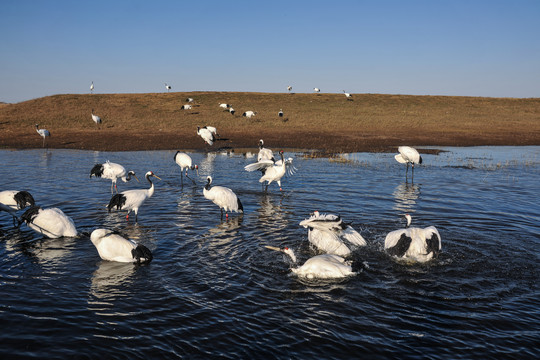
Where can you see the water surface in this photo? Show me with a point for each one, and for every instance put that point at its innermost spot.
(214, 290)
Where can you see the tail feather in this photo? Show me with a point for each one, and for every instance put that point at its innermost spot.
(97, 170)
(142, 254)
(240, 206)
(118, 200)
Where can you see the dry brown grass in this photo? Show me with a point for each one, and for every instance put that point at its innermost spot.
(325, 121)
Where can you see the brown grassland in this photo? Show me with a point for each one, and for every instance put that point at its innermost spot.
(326, 122)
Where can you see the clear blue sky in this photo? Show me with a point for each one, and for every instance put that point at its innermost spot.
(469, 48)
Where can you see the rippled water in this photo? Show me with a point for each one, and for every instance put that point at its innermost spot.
(213, 290)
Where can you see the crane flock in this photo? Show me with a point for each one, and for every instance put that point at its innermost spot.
(328, 233)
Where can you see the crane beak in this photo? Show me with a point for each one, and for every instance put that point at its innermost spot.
(136, 178)
(273, 248)
(154, 175)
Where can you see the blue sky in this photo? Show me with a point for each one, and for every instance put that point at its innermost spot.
(467, 48)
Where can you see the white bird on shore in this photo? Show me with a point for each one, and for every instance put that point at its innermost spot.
(329, 233)
(51, 222)
(280, 113)
(186, 107)
(249, 114)
(415, 244)
(231, 110)
(44, 133)
(206, 135)
(96, 118)
(347, 95)
(289, 88)
(168, 87)
(224, 106)
(408, 155)
(272, 170)
(92, 87)
(326, 266)
(113, 247)
(112, 171)
(184, 161)
(131, 200)
(223, 197)
(317, 90)
(189, 100)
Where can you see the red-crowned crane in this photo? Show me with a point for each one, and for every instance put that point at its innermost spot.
(223, 197)
(112, 171)
(13, 200)
(326, 266)
(280, 113)
(168, 87)
(96, 118)
(186, 107)
(329, 233)
(51, 222)
(408, 155)
(113, 247)
(206, 135)
(92, 87)
(272, 170)
(184, 161)
(289, 88)
(413, 244)
(44, 133)
(316, 90)
(347, 95)
(264, 153)
(131, 200)
(249, 114)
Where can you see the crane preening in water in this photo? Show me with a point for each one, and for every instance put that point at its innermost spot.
(272, 170)
(131, 200)
(13, 200)
(408, 155)
(414, 244)
(44, 133)
(329, 233)
(51, 222)
(326, 266)
(223, 197)
(112, 171)
(184, 161)
(112, 246)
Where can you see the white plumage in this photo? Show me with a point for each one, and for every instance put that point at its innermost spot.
(131, 200)
(189, 100)
(317, 90)
(249, 114)
(113, 247)
(168, 87)
(96, 118)
(414, 244)
(223, 197)
(289, 88)
(329, 233)
(324, 266)
(264, 153)
(206, 135)
(186, 107)
(408, 155)
(224, 106)
(44, 133)
(112, 171)
(184, 161)
(272, 170)
(92, 87)
(51, 222)
(347, 95)
(280, 113)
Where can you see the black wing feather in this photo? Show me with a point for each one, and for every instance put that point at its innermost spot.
(142, 254)
(401, 247)
(97, 170)
(118, 200)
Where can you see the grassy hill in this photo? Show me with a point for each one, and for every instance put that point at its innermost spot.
(325, 121)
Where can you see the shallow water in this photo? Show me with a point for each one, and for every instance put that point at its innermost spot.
(214, 290)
